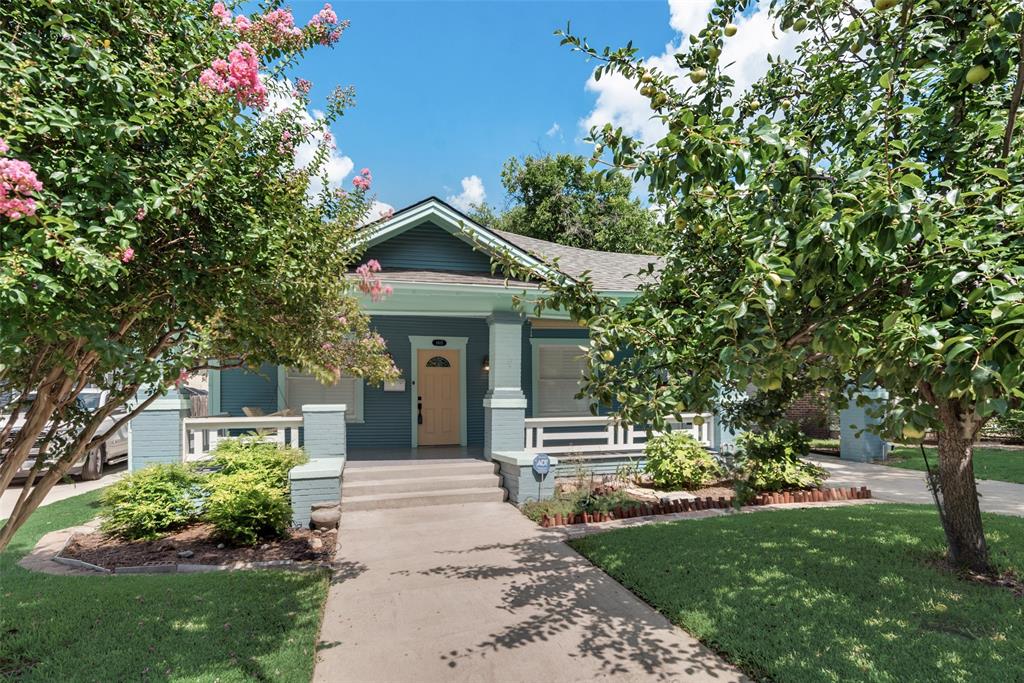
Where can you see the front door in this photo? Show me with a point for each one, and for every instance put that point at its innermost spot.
(438, 399)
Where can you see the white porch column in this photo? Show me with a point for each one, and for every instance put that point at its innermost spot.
(505, 403)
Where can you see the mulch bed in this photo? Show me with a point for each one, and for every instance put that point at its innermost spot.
(300, 545)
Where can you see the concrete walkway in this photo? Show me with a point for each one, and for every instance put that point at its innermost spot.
(908, 486)
(61, 491)
(477, 592)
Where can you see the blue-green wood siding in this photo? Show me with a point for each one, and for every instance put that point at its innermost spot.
(240, 388)
(429, 247)
(387, 415)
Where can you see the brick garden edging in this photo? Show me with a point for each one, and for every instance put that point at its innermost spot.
(827, 495)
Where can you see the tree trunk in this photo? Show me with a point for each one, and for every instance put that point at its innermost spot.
(961, 511)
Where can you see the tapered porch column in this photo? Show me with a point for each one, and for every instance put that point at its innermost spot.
(505, 402)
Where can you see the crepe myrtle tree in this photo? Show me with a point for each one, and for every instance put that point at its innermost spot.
(152, 216)
(852, 220)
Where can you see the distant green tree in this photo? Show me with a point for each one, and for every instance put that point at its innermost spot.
(560, 199)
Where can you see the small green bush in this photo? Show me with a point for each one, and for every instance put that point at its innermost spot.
(770, 461)
(245, 508)
(577, 502)
(269, 461)
(676, 460)
(151, 502)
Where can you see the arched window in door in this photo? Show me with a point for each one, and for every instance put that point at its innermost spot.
(438, 362)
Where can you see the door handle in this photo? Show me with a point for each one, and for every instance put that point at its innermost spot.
(419, 410)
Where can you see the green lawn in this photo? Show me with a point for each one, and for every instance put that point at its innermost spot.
(1001, 464)
(833, 594)
(238, 626)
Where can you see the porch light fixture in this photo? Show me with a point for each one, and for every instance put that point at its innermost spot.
(487, 363)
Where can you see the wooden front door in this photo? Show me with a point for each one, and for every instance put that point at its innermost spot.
(438, 400)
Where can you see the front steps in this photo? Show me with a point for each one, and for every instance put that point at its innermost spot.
(412, 484)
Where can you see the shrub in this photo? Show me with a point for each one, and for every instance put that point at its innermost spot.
(245, 507)
(770, 461)
(269, 461)
(576, 503)
(151, 502)
(678, 461)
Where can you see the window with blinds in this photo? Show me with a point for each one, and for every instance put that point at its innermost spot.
(560, 370)
(302, 389)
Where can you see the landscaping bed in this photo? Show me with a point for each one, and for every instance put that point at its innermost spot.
(198, 544)
(850, 593)
(669, 506)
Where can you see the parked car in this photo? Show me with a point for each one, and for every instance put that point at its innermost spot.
(113, 450)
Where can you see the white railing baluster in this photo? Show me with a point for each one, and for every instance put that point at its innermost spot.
(600, 434)
(200, 435)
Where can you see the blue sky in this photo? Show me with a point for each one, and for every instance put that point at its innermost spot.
(448, 90)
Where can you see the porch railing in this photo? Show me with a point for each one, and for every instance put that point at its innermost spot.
(200, 435)
(601, 434)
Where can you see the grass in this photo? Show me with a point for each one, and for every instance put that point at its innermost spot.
(238, 626)
(836, 594)
(1000, 464)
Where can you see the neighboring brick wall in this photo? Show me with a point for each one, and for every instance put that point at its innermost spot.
(814, 416)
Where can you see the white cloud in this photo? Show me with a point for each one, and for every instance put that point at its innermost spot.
(554, 130)
(620, 104)
(472, 194)
(337, 166)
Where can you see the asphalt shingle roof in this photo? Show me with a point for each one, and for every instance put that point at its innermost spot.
(609, 271)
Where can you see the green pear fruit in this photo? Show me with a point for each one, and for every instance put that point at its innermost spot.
(977, 73)
(800, 24)
(882, 5)
(698, 75)
(730, 30)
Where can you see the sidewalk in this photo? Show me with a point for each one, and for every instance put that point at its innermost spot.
(61, 491)
(477, 592)
(908, 486)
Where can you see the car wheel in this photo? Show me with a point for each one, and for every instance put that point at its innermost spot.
(93, 467)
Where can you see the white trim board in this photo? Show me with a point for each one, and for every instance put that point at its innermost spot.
(419, 342)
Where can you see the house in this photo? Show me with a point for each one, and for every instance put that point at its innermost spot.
(479, 378)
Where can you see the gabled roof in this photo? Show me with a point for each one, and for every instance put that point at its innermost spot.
(608, 271)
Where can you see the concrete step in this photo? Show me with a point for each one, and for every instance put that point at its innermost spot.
(413, 484)
(422, 498)
(413, 470)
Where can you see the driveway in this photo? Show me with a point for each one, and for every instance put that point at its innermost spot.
(477, 592)
(62, 490)
(908, 486)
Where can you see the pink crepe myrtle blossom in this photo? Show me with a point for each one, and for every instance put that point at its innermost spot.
(370, 283)
(387, 213)
(278, 27)
(302, 86)
(141, 213)
(17, 181)
(182, 378)
(240, 73)
(363, 180)
(221, 13)
(128, 255)
(322, 27)
(242, 23)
